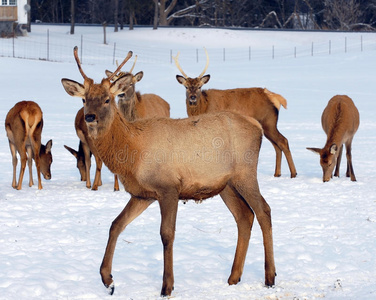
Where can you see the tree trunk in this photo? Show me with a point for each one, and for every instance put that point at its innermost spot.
(73, 12)
(116, 16)
(155, 23)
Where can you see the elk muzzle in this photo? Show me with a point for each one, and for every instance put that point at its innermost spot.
(90, 118)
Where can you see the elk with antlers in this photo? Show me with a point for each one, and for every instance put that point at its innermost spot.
(165, 160)
(340, 121)
(261, 104)
(134, 105)
(24, 124)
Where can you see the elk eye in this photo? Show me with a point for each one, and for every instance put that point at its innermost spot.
(83, 100)
(107, 101)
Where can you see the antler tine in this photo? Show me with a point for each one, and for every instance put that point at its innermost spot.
(129, 55)
(178, 65)
(134, 63)
(75, 53)
(207, 64)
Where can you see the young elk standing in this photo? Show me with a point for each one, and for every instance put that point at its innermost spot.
(24, 124)
(135, 106)
(157, 159)
(340, 121)
(258, 103)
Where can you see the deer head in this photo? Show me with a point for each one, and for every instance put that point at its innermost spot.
(192, 85)
(98, 99)
(328, 160)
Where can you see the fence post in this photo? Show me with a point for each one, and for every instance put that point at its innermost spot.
(82, 45)
(345, 44)
(48, 44)
(330, 47)
(13, 45)
(361, 43)
(295, 51)
(170, 56)
(249, 52)
(113, 60)
(312, 49)
(273, 52)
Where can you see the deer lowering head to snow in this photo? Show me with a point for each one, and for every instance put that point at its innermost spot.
(340, 121)
(83, 155)
(261, 104)
(165, 160)
(24, 124)
(134, 105)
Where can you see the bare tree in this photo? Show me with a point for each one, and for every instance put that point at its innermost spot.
(342, 14)
(116, 15)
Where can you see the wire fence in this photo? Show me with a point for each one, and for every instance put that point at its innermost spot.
(52, 47)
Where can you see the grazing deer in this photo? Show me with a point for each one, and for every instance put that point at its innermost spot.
(340, 121)
(261, 104)
(165, 160)
(134, 105)
(24, 124)
(83, 155)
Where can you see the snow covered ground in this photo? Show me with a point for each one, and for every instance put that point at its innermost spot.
(52, 241)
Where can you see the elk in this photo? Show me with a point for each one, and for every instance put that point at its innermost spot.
(165, 160)
(134, 105)
(261, 104)
(83, 155)
(23, 125)
(340, 121)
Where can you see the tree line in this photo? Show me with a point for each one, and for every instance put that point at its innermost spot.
(288, 14)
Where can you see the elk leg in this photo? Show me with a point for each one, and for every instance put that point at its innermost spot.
(350, 170)
(116, 183)
(132, 210)
(97, 178)
(30, 165)
(244, 218)
(13, 152)
(87, 164)
(169, 205)
(263, 214)
(35, 147)
(23, 159)
(338, 164)
(279, 141)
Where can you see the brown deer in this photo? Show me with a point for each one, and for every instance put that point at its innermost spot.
(340, 121)
(134, 105)
(24, 124)
(166, 160)
(261, 104)
(83, 155)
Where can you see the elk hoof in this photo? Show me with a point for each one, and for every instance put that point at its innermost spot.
(110, 288)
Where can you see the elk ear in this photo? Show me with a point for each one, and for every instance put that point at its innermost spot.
(108, 73)
(180, 79)
(72, 151)
(205, 79)
(138, 76)
(49, 146)
(333, 149)
(120, 85)
(73, 88)
(315, 150)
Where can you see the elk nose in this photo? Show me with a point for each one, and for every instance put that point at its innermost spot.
(193, 98)
(89, 118)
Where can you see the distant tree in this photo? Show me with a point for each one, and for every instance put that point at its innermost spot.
(342, 14)
(73, 13)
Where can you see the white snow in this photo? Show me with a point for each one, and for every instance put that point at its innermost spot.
(52, 240)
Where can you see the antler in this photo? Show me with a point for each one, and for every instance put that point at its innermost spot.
(207, 64)
(178, 65)
(181, 70)
(129, 55)
(130, 71)
(75, 50)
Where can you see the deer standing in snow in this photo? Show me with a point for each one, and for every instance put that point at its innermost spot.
(261, 104)
(165, 160)
(340, 121)
(24, 124)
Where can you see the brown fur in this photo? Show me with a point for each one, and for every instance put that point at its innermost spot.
(261, 104)
(24, 124)
(340, 121)
(167, 160)
(83, 156)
